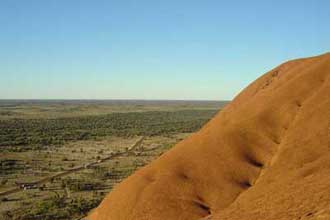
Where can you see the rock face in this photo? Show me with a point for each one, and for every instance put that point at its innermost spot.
(265, 156)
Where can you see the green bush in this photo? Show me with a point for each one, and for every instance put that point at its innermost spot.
(39, 133)
(57, 208)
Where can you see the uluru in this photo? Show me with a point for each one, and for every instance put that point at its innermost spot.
(265, 156)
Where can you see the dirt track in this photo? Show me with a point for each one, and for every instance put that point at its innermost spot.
(70, 171)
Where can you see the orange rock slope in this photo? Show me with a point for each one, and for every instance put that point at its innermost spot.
(265, 156)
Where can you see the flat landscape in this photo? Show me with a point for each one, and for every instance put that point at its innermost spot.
(59, 158)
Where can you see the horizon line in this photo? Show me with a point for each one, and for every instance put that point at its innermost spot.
(115, 99)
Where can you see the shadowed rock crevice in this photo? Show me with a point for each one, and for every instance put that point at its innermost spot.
(253, 161)
(205, 208)
(245, 184)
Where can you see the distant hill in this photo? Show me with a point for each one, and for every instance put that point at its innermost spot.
(265, 156)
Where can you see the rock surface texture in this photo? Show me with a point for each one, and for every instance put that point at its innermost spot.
(265, 156)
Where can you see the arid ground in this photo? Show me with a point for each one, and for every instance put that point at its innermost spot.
(60, 158)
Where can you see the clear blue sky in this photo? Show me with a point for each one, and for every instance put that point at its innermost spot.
(151, 49)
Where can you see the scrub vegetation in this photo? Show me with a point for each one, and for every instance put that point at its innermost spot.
(60, 158)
